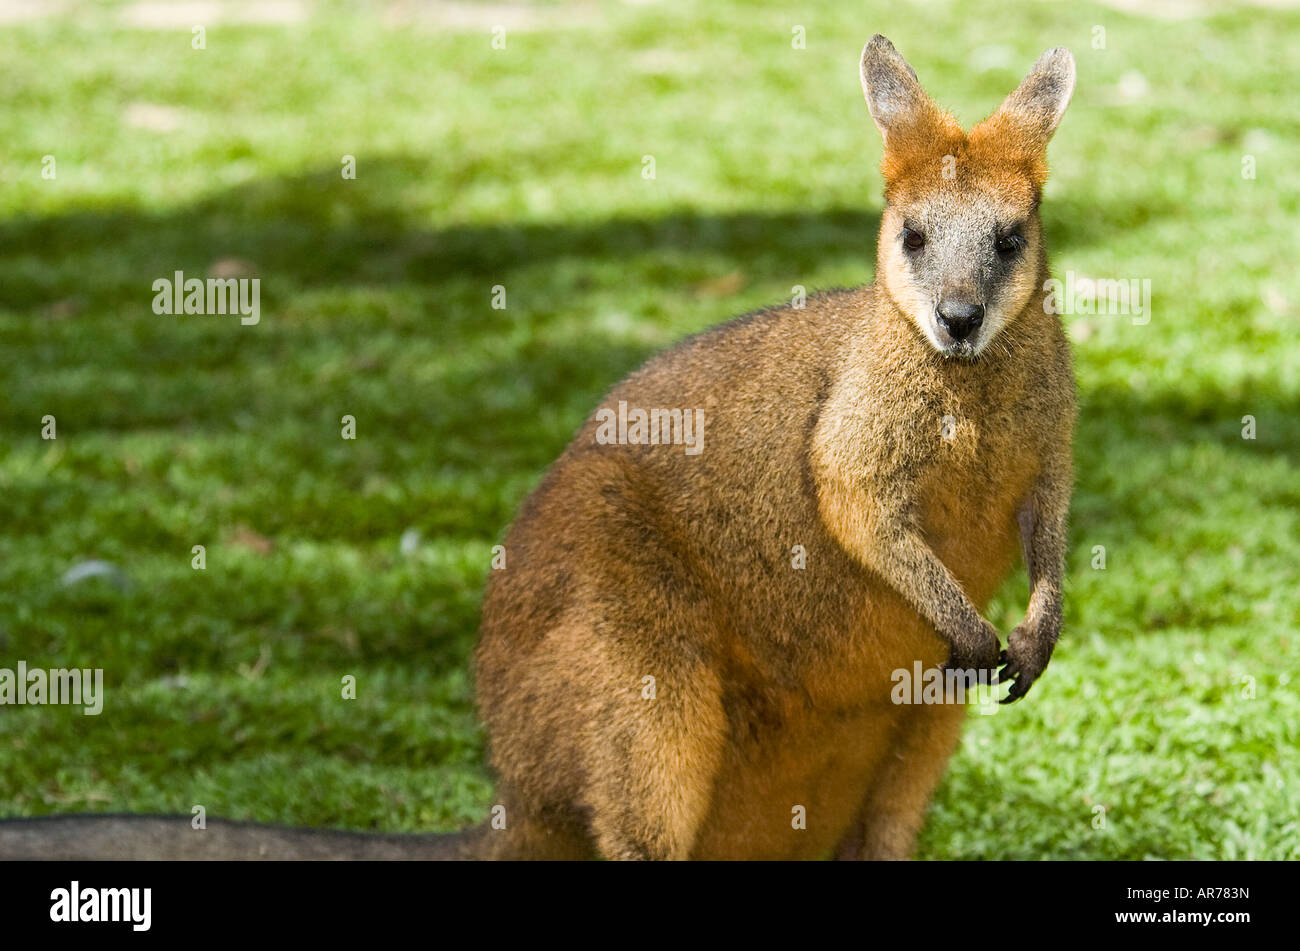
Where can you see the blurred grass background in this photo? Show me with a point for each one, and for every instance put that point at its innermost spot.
(1171, 703)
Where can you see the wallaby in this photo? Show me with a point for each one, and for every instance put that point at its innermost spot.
(691, 651)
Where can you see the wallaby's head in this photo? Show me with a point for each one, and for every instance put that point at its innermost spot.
(961, 248)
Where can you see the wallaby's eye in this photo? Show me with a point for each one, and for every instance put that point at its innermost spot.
(1009, 244)
(913, 240)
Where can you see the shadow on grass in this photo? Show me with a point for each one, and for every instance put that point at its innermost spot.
(316, 230)
(482, 427)
(80, 284)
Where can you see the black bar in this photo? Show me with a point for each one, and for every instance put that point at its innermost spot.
(331, 901)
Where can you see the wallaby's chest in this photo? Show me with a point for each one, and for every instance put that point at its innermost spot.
(980, 471)
(818, 746)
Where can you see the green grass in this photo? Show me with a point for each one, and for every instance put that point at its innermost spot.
(522, 168)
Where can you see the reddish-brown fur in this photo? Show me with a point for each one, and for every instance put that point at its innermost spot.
(772, 683)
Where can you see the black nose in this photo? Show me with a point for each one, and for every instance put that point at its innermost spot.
(959, 318)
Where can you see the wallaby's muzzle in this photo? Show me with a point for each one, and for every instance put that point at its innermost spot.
(959, 319)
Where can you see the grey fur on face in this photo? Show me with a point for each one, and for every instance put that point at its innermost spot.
(976, 252)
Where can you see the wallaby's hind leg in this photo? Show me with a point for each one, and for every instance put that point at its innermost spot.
(529, 838)
(894, 808)
(592, 755)
(653, 761)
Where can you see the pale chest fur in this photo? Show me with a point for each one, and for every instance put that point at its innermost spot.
(977, 447)
(968, 499)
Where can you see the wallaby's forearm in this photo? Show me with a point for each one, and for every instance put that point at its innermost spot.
(1042, 520)
(1043, 535)
(900, 555)
(877, 531)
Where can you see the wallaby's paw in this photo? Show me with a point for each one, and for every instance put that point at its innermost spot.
(1024, 660)
(980, 651)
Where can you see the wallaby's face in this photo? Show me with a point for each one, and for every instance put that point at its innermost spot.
(960, 239)
(961, 260)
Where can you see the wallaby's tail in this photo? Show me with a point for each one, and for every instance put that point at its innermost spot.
(113, 837)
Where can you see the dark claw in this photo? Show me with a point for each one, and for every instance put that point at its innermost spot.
(1017, 691)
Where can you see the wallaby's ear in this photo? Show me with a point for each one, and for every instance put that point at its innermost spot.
(1025, 121)
(894, 95)
(1034, 110)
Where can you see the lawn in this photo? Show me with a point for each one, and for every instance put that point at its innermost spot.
(1168, 725)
